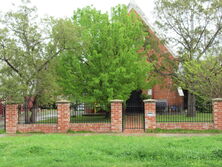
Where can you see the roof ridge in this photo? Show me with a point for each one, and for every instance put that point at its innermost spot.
(133, 5)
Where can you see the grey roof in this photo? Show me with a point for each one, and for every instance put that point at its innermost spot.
(133, 5)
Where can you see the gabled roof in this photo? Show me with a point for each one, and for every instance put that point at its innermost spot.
(133, 5)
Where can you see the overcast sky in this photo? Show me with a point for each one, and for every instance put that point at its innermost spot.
(65, 8)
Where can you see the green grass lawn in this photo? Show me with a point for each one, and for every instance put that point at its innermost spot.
(2, 131)
(200, 117)
(110, 151)
(182, 131)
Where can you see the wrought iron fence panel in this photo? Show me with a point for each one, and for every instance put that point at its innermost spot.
(2, 116)
(133, 116)
(175, 113)
(37, 115)
(89, 113)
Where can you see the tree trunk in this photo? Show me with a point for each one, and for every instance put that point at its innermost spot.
(33, 118)
(34, 111)
(191, 108)
(26, 110)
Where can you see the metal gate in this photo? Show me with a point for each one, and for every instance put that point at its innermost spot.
(2, 117)
(133, 112)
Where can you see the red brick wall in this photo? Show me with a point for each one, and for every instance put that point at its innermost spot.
(63, 108)
(11, 118)
(186, 125)
(116, 115)
(53, 128)
(133, 130)
(217, 124)
(92, 127)
(170, 94)
(45, 128)
(166, 89)
(150, 114)
(116, 120)
(63, 122)
(217, 108)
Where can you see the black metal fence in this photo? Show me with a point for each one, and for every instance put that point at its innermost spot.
(37, 115)
(89, 113)
(2, 116)
(174, 113)
(133, 116)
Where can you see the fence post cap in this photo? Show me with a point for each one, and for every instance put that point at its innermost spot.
(62, 101)
(149, 101)
(116, 101)
(217, 99)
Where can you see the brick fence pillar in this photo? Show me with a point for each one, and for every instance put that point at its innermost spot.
(150, 113)
(217, 113)
(116, 115)
(63, 108)
(11, 118)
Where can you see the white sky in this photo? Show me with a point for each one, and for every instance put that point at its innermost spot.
(65, 8)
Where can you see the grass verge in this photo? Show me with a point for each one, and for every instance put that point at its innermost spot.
(111, 151)
(2, 131)
(182, 131)
(71, 131)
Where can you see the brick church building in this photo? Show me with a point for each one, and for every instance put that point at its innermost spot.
(166, 90)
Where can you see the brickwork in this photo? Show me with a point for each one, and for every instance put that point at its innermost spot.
(45, 128)
(217, 108)
(64, 124)
(11, 118)
(186, 125)
(63, 108)
(116, 115)
(92, 127)
(165, 92)
(133, 131)
(150, 113)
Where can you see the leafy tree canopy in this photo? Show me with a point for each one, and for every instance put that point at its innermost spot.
(194, 27)
(109, 63)
(204, 77)
(28, 46)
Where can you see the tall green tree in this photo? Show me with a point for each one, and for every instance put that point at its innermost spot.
(195, 28)
(28, 46)
(111, 61)
(204, 77)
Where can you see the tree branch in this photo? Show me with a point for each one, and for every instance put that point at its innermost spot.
(8, 63)
(211, 40)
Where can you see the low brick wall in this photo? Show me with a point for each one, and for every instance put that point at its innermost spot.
(45, 128)
(186, 125)
(11, 118)
(150, 113)
(116, 115)
(93, 127)
(64, 124)
(53, 128)
(133, 131)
